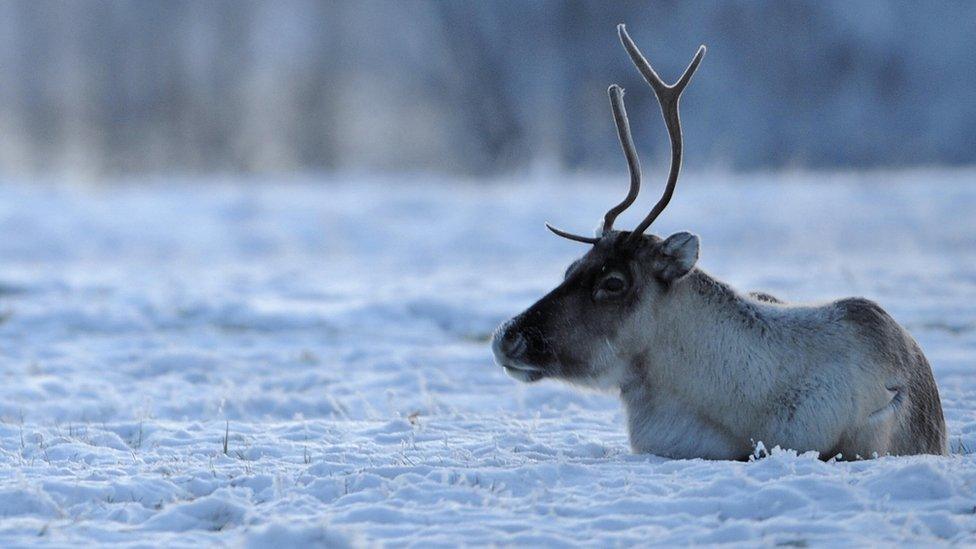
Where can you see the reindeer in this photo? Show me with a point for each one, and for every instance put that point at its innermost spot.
(705, 371)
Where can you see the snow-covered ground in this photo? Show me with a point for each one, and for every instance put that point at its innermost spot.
(274, 364)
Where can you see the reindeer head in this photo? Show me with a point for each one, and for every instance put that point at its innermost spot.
(589, 327)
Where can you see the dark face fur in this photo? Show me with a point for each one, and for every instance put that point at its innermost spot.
(573, 333)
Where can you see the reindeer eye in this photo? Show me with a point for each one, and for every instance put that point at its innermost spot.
(613, 284)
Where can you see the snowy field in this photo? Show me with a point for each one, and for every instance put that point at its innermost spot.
(306, 362)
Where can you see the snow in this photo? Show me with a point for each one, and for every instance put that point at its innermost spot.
(305, 363)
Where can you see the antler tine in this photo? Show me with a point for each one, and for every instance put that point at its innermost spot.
(616, 94)
(668, 96)
(571, 236)
(659, 86)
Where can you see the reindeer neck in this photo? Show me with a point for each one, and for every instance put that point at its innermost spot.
(706, 333)
(706, 303)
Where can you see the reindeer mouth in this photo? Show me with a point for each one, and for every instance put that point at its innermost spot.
(523, 373)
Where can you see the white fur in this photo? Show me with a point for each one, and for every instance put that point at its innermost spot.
(708, 384)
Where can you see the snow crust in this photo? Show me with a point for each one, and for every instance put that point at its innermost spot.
(306, 363)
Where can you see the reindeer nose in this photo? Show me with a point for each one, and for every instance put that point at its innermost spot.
(513, 343)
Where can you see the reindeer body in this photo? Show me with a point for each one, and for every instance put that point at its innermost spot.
(704, 371)
(727, 371)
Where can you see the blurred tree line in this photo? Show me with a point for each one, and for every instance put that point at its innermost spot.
(126, 87)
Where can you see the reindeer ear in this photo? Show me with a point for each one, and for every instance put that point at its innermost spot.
(675, 257)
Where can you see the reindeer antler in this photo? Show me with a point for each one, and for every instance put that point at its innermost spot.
(627, 144)
(616, 94)
(668, 97)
